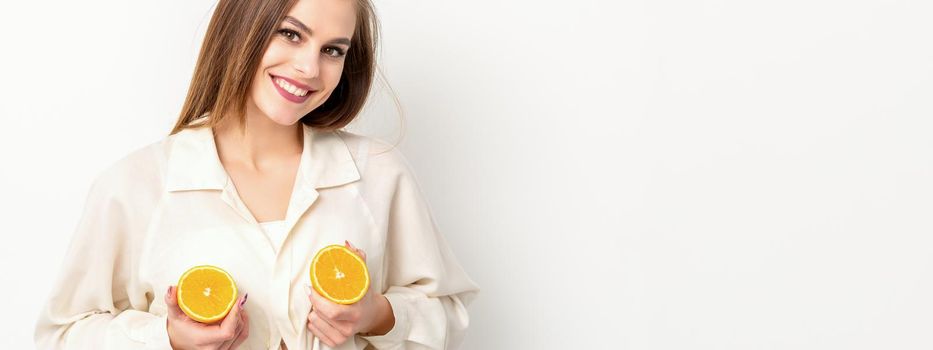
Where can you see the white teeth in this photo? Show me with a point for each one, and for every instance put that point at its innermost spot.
(290, 88)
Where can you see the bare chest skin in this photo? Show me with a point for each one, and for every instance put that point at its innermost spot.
(265, 191)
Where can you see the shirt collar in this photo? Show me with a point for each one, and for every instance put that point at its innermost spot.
(193, 162)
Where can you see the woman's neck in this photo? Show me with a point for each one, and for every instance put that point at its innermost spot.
(264, 143)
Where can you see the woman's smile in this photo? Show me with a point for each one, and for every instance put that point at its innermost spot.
(290, 89)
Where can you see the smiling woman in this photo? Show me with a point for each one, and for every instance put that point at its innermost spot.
(247, 49)
(256, 177)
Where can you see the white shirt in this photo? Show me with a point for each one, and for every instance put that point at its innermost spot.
(171, 205)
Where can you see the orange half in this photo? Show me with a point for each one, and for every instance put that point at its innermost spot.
(206, 293)
(339, 275)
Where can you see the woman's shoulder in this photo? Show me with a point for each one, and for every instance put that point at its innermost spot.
(374, 156)
(139, 171)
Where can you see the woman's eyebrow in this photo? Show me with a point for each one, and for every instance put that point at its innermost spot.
(302, 27)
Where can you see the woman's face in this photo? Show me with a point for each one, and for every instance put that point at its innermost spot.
(304, 60)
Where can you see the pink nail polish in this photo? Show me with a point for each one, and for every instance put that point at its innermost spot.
(244, 300)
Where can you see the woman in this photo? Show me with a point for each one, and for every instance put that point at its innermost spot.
(256, 176)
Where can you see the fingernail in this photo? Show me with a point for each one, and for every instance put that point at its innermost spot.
(244, 300)
(307, 290)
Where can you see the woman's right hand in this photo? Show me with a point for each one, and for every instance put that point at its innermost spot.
(185, 333)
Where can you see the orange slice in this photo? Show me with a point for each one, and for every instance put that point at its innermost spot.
(339, 275)
(206, 293)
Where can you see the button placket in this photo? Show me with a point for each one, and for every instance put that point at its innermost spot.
(281, 286)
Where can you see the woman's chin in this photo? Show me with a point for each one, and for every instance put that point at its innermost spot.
(285, 121)
(284, 118)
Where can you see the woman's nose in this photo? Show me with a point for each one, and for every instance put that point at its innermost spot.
(307, 64)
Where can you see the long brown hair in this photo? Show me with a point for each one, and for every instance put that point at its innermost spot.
(237, 37)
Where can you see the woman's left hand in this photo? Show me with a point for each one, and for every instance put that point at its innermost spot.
(335, 323)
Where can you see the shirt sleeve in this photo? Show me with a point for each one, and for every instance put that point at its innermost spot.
(93, 304)
(427, 288)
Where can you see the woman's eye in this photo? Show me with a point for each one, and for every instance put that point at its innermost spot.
(293, 36)
(334, 51)
(290, 34)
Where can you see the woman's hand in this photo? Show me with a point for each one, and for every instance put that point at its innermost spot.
(335, 323)
(185, 333)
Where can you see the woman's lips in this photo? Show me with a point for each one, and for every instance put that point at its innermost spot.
(288, 95)
(294, 82)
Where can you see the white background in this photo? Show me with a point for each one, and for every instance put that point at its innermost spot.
(619, 175)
